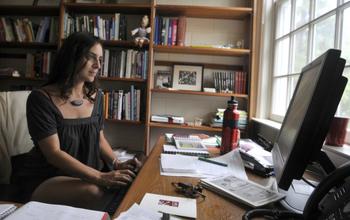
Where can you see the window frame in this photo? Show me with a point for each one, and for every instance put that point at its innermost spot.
(310, 25)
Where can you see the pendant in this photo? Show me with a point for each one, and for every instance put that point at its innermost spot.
(77, 102)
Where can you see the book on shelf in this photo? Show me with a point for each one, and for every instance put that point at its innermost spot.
(181, 31)
(168, 119)
(107, 27)
(170, 31)
(38, 210)
(226, 81)
(123, 105)
(171, 149)
(125, 64)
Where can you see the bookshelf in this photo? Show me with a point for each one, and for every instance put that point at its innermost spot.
(208, 24)
(21, 48)
(225, 23)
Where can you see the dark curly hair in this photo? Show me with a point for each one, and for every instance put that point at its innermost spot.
(70, 59)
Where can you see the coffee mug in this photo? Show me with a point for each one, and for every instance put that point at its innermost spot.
(337, 131)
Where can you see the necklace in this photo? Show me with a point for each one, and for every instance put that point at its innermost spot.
(77, 102)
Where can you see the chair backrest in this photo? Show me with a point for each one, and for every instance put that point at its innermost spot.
(14, 135)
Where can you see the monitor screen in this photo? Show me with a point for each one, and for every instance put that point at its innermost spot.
(309, 114)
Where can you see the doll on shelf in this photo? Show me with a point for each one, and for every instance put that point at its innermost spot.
(140, 34)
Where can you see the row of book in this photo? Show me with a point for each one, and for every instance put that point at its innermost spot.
(25, 30)
(123, 105)
(125, 64)
(39, 64)
(170, 31)
(111, 27)
(218, 119)
(230, 82)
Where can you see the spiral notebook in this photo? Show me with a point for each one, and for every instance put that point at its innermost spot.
(6, 209)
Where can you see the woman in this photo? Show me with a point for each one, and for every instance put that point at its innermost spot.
(65, 122)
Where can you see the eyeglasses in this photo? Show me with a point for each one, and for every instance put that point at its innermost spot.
(189, 190)
(93, 57)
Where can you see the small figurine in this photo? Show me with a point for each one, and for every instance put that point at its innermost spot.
(141, 33)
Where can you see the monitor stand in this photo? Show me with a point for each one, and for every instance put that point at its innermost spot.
(299, 191)
(296, 196)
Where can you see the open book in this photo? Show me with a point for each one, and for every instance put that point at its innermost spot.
(43, 211)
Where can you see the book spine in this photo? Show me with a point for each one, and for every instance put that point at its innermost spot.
(173, 31)
(181, 31)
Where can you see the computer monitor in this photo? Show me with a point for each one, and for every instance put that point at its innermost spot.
(305, 125)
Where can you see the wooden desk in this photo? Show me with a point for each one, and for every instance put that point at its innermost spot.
(149, 180)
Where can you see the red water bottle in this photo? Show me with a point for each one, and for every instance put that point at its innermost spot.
(230, 132)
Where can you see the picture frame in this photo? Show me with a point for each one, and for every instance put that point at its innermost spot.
(163, 79)
(187, 77)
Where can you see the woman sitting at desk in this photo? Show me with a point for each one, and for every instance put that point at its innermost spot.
(71, 162)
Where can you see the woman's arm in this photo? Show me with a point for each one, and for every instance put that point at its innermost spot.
(107, 153)
(109, 157)
(62, 160)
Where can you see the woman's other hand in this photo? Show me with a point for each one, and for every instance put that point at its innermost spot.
(132, 164)
(116, 178)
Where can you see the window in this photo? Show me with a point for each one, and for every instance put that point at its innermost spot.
(305, 29)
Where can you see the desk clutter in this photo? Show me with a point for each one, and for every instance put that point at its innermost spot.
(225, 174)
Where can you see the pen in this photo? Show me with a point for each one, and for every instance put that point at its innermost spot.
(212, 161)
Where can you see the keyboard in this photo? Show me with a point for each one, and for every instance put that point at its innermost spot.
(244, 191)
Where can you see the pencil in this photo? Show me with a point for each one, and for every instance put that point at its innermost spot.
(212, 161)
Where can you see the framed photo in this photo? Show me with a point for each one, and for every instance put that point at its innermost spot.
(188, 77)
(163, 79)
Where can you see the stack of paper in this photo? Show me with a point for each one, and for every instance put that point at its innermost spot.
(43, 211)
(178, 163)
(138, 212)
(181, 165)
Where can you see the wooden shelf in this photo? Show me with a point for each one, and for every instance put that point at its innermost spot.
(22, 78)
(122, 79)
(28, 10)
(28, 45)
(199, 93)
(125, 121)
(183, 126)
(123, 43)
(94, 8)
(204, 11)
(202, 50)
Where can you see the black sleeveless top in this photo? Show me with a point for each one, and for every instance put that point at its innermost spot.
(78, 137)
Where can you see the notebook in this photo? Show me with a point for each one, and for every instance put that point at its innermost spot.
(189, 143)
(6, 209)
(171, 149)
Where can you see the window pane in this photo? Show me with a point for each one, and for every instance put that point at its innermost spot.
(302, 8)
(283, 19)
(345, 47)
(281, 57)
(293, 80)
(343, 108)
(300, 42)
(324, 6)
(279, 105)
(323, 36)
